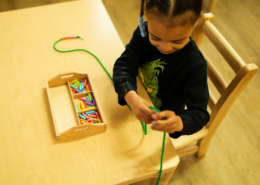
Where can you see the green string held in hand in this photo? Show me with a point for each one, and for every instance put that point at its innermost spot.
(161, 164)
(143, 124)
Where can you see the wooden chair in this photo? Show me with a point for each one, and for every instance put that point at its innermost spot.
(228, 92)
(212, 5)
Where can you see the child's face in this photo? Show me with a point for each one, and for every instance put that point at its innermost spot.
(168, 39)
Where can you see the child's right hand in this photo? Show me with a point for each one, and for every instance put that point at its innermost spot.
(139, 107)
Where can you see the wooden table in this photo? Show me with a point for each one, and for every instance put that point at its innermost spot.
(29, 151)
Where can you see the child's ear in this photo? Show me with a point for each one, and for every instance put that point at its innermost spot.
(201, 14)
(196, 23)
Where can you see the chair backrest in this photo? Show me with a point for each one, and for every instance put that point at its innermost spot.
(212, 5)
(228, 92)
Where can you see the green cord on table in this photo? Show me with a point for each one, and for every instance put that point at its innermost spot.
(143, 124)
(85, 51)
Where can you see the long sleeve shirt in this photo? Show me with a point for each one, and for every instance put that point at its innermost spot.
(172, 81)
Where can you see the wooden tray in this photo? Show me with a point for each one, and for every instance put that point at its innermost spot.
(64, 113)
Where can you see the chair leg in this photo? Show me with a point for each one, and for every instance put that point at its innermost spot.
(203, 146)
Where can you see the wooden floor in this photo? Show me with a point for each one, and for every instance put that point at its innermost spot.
(234, 154)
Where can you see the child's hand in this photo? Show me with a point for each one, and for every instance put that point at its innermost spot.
(171, 124)
(139, 107)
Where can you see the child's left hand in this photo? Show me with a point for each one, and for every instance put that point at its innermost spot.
(171, 124)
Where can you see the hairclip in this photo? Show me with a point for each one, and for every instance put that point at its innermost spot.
(141, 26)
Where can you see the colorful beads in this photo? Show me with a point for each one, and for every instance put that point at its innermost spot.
(77, 108)
(85, 104)
(82, 117)
(88, 117)
(79, 86)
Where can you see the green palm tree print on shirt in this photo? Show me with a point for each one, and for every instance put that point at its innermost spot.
(148, 74)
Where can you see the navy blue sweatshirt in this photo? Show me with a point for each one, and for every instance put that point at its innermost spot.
(172, 81)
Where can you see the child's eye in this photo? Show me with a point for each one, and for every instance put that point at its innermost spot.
(155, 39)
(177, 42)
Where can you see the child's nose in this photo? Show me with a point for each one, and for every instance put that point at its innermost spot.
(165, 48)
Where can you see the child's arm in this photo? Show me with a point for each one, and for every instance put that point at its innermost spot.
(125, 72)
(196, 116)
(126, 66)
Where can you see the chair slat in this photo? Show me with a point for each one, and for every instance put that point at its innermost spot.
(188, 150)
(231, 56)
(229, 92)
(215, 76)
(188, 139)
(212, 100)
(233, 90)
(225, 102)
(212, 5)
(197, 34)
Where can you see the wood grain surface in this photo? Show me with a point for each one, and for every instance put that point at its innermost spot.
(30, 153)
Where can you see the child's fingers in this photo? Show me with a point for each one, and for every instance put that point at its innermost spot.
(146, 111)
(168, 125)
(154, 115)
(145, 114)
(154, 111)
(143, 117)
(164, 114)
(161, 125)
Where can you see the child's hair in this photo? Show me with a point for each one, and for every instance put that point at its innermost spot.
(180, 12)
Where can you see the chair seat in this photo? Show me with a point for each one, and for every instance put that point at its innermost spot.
(188, 139)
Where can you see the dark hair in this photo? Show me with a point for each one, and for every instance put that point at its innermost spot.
(174, 9)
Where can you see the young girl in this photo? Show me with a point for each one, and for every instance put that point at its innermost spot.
(170, 66)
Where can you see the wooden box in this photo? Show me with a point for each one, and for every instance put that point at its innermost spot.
(63, 102)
